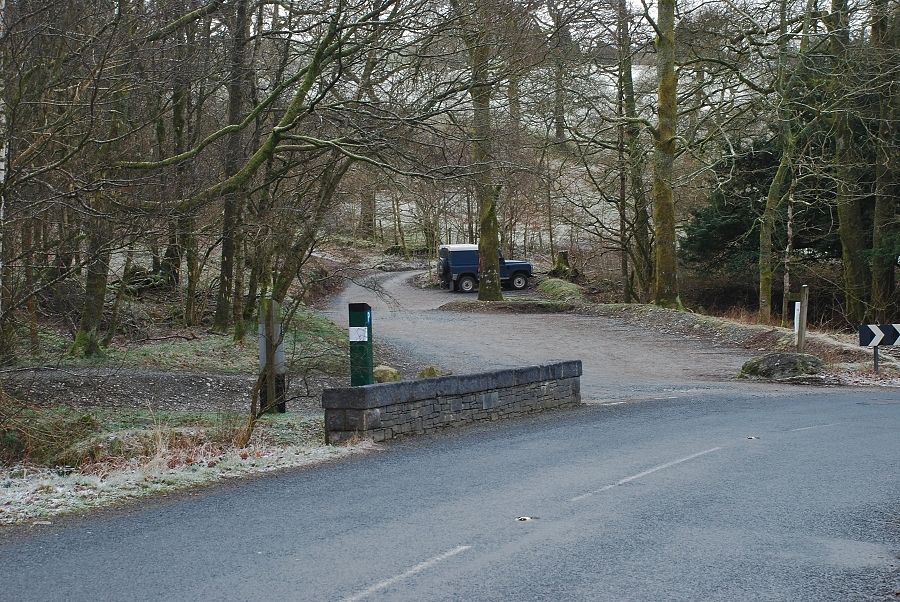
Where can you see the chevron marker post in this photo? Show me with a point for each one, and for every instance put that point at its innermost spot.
(876, 335)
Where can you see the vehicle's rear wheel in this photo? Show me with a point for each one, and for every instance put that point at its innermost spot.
(518, 281)
(466, 284)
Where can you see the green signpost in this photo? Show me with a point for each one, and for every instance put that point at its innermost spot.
(361, 357)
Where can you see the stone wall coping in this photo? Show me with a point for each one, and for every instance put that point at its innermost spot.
(386, 394)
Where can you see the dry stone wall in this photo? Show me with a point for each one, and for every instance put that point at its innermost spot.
(389, 410)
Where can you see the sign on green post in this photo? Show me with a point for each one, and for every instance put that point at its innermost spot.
(361, 358)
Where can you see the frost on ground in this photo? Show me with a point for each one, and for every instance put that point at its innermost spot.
(35, 494)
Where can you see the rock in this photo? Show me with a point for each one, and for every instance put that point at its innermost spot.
(781, 366)
(386, 374)
(431, 372)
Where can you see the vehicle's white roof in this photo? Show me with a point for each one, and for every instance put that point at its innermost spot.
(460, 247)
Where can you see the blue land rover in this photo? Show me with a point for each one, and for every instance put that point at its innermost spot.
(458, 269)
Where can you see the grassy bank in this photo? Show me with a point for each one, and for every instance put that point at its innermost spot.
(76, 438)
(310, 341)
(62, 460)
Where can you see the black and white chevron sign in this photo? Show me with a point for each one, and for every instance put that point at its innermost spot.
(875, 335)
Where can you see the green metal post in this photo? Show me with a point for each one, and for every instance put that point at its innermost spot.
(361, 357)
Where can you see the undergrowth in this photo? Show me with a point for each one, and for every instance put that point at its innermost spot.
(561, 290)
(77, 438)
(311, 343)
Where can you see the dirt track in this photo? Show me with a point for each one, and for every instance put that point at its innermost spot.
(621, 361)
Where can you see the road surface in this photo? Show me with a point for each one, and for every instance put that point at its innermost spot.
(715, 492)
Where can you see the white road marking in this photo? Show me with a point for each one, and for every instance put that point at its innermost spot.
(405, 575)
(613, 403)
(815, 426)
(649, 471)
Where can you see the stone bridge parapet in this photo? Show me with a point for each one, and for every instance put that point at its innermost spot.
(387, 410)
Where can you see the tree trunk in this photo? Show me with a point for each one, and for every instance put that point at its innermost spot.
(788, 252)
(232, 199)
(28, 229)
(186, 225)
(399, 237)
(782, 175)
(486, 195)
(6, 331)
(886, 223)
(641, 233)
(366, 227)
(237, 300)
(666, 293)
(470, 218)
(99, 235)
(847, 198)
(623, 190)
(171, 257)
(562, 47)
(767, 226)
(171, 260)
(117, 302)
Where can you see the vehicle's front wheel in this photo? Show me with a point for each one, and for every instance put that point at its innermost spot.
(518, 281)
(466, 284)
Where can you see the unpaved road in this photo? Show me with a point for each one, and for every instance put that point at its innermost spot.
(621, 361)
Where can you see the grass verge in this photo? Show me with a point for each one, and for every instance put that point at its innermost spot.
(311, 343)
(87, 439)
(62, 460)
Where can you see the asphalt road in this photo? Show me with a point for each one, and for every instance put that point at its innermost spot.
(717, 493)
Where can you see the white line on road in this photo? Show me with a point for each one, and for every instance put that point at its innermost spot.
(405, 575)
(645, 473)
(815, 426)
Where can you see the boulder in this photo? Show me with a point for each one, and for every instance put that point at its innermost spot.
(781, 366)
(386, 374)
(431, 372)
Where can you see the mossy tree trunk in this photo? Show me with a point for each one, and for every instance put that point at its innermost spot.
(666, 265)
(477, 38)
(886, 223)
(847, 197)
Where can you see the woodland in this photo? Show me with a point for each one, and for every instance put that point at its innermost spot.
(684, 153)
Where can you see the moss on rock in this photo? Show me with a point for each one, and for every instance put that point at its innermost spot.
(782, 365)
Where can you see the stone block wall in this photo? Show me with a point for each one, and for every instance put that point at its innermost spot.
(388, 410)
